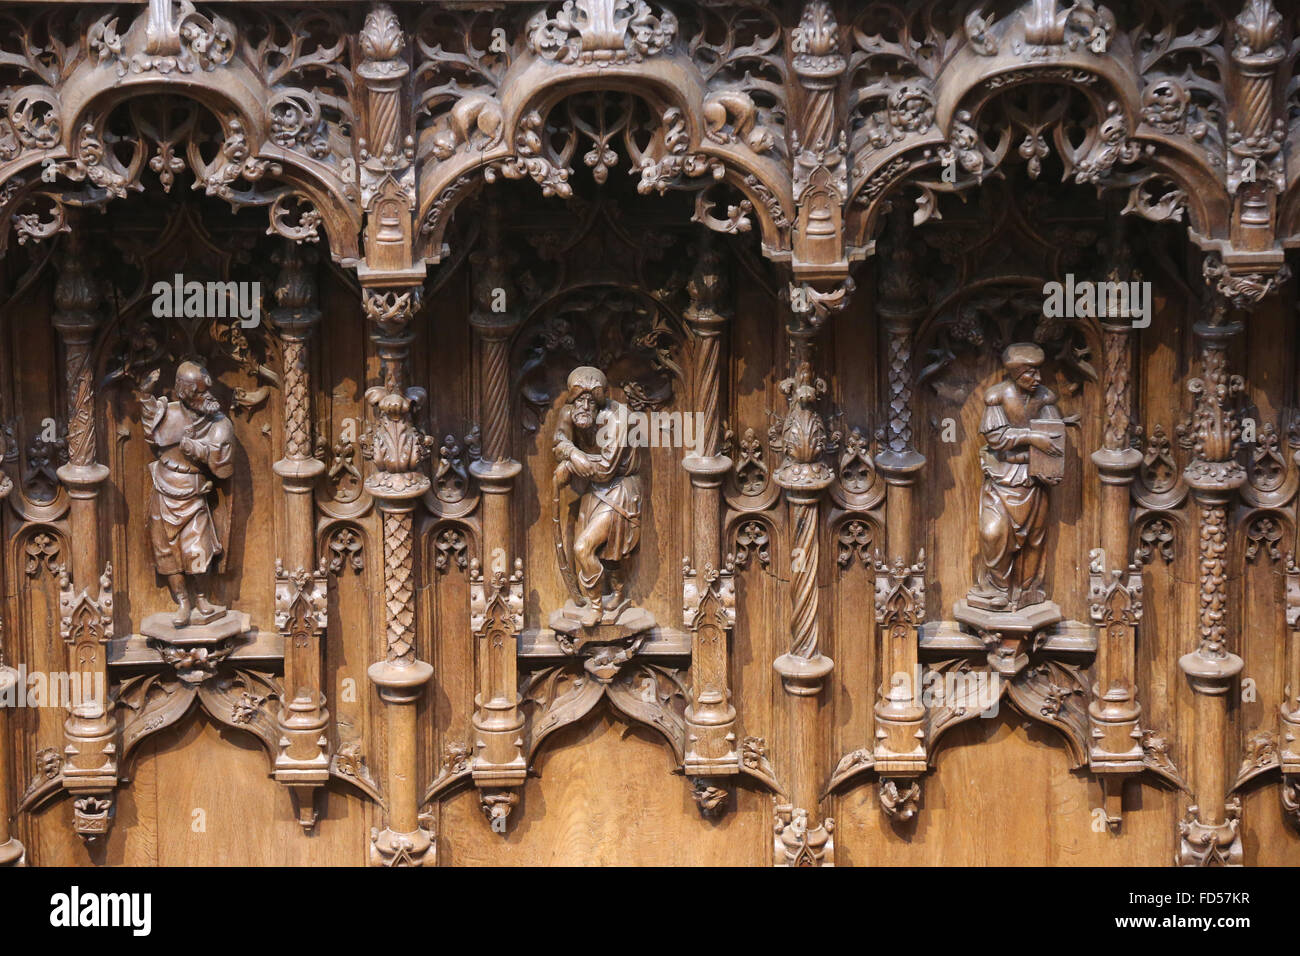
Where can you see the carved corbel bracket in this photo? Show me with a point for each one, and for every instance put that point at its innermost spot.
(1242, 277)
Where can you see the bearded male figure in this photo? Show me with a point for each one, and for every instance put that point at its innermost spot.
(194, 443)
(591, 446)
(1018, 413)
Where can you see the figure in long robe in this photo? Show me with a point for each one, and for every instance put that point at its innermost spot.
(591, 446)
(1013, 502)
(195, 443)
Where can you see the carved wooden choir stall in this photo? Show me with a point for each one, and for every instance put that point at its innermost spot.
(756, 432)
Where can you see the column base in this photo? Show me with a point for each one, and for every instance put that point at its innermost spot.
(803, 676)
(12, 853)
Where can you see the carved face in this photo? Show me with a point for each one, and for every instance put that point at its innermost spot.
(910, 110)
(1113, 129)
(585, 407)
(1165, 103)
(1028, 377)
(193, 390)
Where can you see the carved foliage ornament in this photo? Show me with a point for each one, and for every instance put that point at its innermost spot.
(601, 32)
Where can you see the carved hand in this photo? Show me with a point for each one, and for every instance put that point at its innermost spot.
(562, 473)
(1044, 443)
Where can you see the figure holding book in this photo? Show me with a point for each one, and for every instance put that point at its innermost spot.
(1024, 455)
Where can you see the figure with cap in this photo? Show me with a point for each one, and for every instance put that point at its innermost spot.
(595, 458)
(1013, 500)
(194, 443)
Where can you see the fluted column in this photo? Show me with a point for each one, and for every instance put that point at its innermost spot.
(301, 602)
(398, 450)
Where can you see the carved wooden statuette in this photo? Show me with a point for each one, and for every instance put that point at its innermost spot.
(1024, 436)
(596, 458)
(193, 443)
